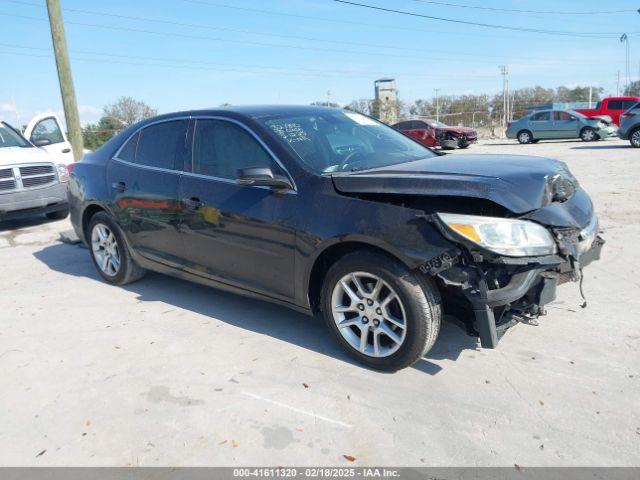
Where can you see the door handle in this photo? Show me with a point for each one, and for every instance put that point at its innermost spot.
(193, 202)
(66, 150)
(119, 186)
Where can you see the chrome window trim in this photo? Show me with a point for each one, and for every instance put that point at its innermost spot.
(148, 167)
(198, 175)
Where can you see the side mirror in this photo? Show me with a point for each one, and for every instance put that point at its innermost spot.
(262, 177)
(41, 142)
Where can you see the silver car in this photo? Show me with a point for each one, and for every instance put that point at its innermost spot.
(559, 124)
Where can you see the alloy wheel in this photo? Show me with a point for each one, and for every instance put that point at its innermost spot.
(635, 138)
(524, 137)
(369, 314)
(104, 247)
(588, 135)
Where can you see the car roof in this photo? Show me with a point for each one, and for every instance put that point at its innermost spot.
(256, 111)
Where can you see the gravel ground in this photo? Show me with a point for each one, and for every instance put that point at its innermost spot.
(164, 372)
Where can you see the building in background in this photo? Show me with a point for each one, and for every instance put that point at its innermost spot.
(386, 105)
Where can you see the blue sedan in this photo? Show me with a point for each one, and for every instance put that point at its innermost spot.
(559, 124)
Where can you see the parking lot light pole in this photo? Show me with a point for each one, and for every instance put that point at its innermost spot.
(64, 77)
(437, 105)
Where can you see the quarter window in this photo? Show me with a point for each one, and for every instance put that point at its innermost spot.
(163, 145)
(222, 148)
(128, 152)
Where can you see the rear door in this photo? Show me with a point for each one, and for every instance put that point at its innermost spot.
(144, 177)
(237, 234)
(565, 125)
(614, 108)
(541, 125)
(47, 127)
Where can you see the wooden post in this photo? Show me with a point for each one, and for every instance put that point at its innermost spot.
(64, 76)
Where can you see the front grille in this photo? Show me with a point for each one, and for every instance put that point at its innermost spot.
(36, 170)
(7, 184)
(37, 181)
(20, 178)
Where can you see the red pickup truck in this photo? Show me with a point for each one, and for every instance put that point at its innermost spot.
(612, 107)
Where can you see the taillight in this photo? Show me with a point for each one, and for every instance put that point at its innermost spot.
(70, 167)
(508, 124)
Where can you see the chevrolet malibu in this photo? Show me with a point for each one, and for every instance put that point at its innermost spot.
(333, 213)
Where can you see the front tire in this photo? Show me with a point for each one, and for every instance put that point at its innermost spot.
(588, 134)
(383, 314)
(109, 251)
(634, 138)
(525, 136)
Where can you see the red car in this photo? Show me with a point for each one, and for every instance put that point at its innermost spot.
(611, 107)
(433, 133)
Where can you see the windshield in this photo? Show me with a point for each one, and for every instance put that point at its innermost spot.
(11, 138)
(342, 141)
(436, 123)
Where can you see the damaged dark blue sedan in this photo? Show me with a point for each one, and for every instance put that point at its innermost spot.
(331, 212)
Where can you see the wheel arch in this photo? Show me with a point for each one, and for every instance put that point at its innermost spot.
(337, 249)
(88, 212)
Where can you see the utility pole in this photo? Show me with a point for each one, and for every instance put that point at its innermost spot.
(590, 95)
(328, 98)
(64, 77)
(625, 39)
(504, 71)
(437, 105)
(618, 85)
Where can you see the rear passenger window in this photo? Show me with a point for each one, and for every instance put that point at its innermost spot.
(163, 145)
(222, 148)
(128, 152)
(541, 117)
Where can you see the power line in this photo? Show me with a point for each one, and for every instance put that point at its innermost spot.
(485, 25)
(385, 26)
(516, 10)
(173, 62)
(253, 43)
(253, 32)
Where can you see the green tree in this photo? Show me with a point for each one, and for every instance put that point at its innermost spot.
(633, 88)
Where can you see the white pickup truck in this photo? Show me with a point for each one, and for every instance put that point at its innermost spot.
(33, 173)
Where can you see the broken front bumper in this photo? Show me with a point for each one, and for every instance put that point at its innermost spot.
(531, 284)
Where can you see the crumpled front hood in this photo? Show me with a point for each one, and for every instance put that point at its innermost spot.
(458, 130)
(518, 183)
(16, 155)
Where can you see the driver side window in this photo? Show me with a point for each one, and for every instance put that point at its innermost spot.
(47, 129)
(222, 148)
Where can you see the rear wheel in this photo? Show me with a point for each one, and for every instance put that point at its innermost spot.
(59, 215)
(525, 136)
(382, 314)
(634, 138)
(588, 134)
(109, 252)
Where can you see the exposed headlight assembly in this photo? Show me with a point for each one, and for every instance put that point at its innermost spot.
(505, 236)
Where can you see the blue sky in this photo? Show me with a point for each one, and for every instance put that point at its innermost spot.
(181, 54)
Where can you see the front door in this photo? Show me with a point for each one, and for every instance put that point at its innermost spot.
(144, 179)
(236, 234)
(565, 125)
(47, 127)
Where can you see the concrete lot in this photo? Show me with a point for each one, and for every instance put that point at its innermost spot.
(164, 372)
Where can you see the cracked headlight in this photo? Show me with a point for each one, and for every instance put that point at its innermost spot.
(505, 236)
